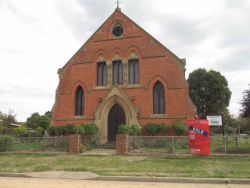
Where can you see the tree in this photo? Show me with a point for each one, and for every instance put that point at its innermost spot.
(230, 123)
(209, 91)
(244, 124)
(245, 104)
(48, 114)
(21, 131)
(7, 120)
(37, 121)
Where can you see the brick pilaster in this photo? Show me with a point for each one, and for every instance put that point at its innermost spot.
(74, 144)
(121, 144)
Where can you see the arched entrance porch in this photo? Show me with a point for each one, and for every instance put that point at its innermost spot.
(115, 96)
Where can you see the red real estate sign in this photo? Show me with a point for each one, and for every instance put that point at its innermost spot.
(199, 137)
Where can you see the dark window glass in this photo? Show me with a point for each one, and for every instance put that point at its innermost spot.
(117, 30)
(102, 74)
(133, 71)
(117, 73)
(158, 98)
(79, 101)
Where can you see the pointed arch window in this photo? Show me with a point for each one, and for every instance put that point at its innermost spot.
(117, 73)
(158, 98)
(79, 102)
(133, 65)
(101, 74)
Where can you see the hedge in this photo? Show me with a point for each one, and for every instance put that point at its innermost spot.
(84, 129)
(131, 130)
(179, 129)
(6, 143)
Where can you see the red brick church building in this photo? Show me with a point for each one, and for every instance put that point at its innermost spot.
(122, 75)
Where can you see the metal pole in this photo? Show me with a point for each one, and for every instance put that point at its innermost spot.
(172, 144)
(223, 130)
(225, 144)
(223, 133)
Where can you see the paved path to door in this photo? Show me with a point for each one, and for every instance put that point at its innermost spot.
(7, 182)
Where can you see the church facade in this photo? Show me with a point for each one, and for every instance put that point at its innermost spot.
(121, 75)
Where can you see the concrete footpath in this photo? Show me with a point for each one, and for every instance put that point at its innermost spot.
(17, 182)
(93, 176)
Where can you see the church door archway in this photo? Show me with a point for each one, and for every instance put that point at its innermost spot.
(116, 117)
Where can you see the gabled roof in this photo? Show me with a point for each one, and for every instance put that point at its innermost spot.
(181, 61)
(154, 39)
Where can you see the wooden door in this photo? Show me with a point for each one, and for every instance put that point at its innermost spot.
(116, 117)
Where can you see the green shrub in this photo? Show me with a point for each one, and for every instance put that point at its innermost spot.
(152, 128)
(6, 143)
(81, 130)
(89, 129)
(70, 129)
(164, 128)
(131, 130)
(52, 131)
(33, 133)
(63, 130)
(39, 131)
(134, 130)
(123, 129)
(178, 128)
(21, 131)
(59, 130)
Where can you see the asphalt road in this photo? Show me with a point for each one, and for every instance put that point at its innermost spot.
(7, 182)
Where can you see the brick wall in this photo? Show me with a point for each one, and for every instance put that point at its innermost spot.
(155, 63)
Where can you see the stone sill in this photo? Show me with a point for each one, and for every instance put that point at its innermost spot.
(100, 88)
(158, 116)
(75, 118)
(163, 116)
(79, 117)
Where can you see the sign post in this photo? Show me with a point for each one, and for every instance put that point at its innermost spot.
(214, 120)
(199, 137)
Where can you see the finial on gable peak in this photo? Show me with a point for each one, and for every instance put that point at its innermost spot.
(118, 2)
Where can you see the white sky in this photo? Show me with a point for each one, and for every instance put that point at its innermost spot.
(39, 36)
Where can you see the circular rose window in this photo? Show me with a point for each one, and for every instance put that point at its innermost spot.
(117, 30)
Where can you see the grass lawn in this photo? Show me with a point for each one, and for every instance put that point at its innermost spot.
(40, 146)
(214, 166)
